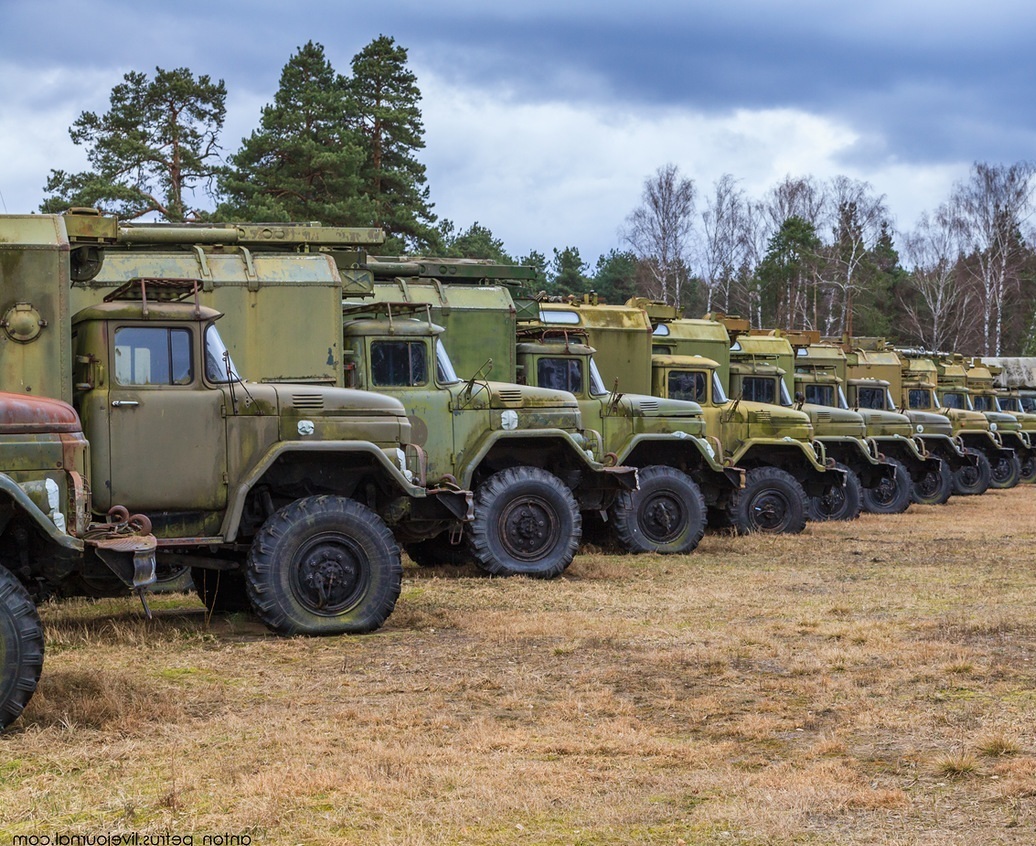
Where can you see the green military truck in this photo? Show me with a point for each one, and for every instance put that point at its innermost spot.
(680, 473)
(1013, 426)
(680, 470)
(821, 376)
(278, 496)
(522, 451)
(763, 370)
(919, 385)
(645, 345)
(954, 392)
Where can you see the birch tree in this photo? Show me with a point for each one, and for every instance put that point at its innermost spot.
(659, 231)
(725, 243)
(988, 211)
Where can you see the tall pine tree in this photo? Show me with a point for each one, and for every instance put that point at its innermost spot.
(385, 107)
(157, 142)
(304, 161)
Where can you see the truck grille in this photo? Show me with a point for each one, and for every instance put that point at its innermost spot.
(307, 401)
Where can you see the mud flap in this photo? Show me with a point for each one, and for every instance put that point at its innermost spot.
(598, 489)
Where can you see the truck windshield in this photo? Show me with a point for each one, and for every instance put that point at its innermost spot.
(597, 388)
(920, 398)
(1010, 404)
(1028, 403)
(759, 389)
(399, 364)
(560, 374)
(443, 366)
(984, 402)
(219, 368)
(871, 398)
(686, 385)
(820, 394)
(953, 399)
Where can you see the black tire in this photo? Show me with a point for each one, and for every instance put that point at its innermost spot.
(1028, 466)
(934, 488)
(439, 552)
(666, 515)
(222, 591)
(324, 565)
(21, 648)
(973, 480)
(772, 501)
(890, 496)
(837, 503)
(526, 523)
(1006, 471)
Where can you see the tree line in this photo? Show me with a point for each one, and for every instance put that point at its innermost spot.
(344, 150)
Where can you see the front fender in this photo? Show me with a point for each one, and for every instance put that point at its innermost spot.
(729, 477)
(24, 503)
(455, 501)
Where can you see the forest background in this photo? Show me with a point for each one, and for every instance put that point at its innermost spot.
(344, 149)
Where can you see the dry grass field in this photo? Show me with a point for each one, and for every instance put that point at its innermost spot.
(864, 683)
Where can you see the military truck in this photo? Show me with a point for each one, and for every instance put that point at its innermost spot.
(919, 382)
(954, 392)
(1013, 427)
(680, 470)
(821, 376)
(280, 494)
(772, 446)
(523, 451)
(873, 381)
(763, 370)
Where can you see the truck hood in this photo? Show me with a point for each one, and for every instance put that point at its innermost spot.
(642, 405)
(835, 422)
(879, 423)
(507, 395)
(25, 415)
(929, 423)
(773, 421)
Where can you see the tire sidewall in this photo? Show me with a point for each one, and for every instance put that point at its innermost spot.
(628, 513)
(899, 501)
(271, 570)
(761, 482)
(21, 648)
(942, 492)
(850, 500)
(504, 491)
(983, 474)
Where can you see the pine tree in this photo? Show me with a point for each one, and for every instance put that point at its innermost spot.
(156, 143)
(385, 107)
(303, 163)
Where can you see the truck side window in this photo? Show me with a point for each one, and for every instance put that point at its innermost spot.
(686, 385)
(153, 356)
(399, 364)
(560, 374)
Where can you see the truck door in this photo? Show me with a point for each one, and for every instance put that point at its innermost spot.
(167, 431)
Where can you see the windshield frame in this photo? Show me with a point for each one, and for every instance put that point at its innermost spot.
(597, 388)
(445, 372)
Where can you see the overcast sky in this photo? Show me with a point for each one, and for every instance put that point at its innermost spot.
(543, 119)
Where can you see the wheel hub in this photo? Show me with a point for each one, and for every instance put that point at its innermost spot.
(769, 511)
(529, 529)
(662, 517)
(328, 575)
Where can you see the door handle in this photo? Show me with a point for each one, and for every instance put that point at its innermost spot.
(124, 403)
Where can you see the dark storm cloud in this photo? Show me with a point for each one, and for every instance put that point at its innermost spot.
(936, 81)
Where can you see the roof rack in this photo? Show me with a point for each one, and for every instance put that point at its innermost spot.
(161, 289)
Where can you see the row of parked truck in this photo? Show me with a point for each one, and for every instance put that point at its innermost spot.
(280, 412)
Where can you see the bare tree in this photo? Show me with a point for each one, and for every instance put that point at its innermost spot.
(858, 217)
(937, 312)
(659, 231)
(726, 242)
(989, 211)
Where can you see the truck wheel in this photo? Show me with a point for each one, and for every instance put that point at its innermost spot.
(666, 515)
(1006, 472)
(21, 647)
(971, 481)
(526, 523)
(324, 565)
(1028, 466)
(438, 552)
(837, 503)
(890, 496)
(934, 488)
(772, 501)
(222, 591)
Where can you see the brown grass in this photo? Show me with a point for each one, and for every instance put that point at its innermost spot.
(864, 683)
